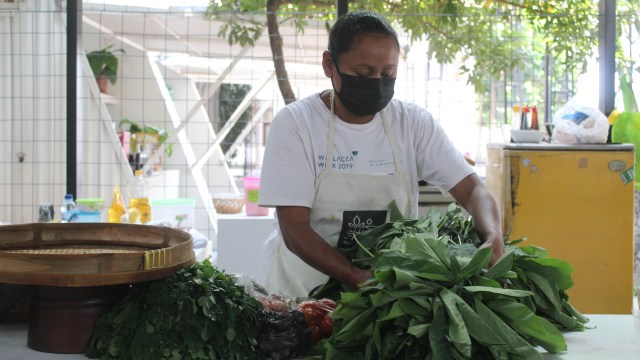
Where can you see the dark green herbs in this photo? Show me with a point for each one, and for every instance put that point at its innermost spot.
(197, 313)
(432, 297)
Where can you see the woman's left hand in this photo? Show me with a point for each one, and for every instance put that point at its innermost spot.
(472, 194)
(497, 245)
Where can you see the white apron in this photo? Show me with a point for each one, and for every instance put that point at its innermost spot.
(345, 204)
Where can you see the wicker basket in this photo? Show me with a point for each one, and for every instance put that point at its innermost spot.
(91, 254)
(228, 204)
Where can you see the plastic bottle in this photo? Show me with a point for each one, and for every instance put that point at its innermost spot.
(534, 118)
(68, 211)
(524, 122)
(139, 197)
(116, 210)
(515, 117)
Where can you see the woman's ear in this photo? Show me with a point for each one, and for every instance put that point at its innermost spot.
(327, 64)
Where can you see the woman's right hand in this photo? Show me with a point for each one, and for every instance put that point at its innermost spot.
(303, 241)
(359, 276)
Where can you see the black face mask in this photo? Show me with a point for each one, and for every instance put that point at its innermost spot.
(364, 96)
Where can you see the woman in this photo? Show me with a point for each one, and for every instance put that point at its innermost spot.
(335, 160)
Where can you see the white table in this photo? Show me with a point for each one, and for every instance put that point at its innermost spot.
(240, 242)
(614, 337)
(13, 345)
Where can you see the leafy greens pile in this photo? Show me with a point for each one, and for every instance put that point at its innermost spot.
(197, 313)
(432, 297)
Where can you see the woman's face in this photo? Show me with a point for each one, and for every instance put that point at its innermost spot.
(372, 55)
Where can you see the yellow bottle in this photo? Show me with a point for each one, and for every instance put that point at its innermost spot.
(139, 197)
(117, 206)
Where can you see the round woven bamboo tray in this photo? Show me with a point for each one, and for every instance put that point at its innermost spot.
(91, 254)
(78, 271)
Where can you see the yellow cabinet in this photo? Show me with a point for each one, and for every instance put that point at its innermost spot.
(577, 201)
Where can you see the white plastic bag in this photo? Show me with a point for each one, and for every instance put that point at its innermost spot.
(575, 123)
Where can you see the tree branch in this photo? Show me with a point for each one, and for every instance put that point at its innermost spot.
(275, 40)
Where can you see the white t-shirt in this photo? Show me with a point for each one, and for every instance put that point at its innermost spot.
(295, 153)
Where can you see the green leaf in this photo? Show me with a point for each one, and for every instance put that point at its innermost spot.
(540, 331)
(628, 97)
(575, 314)
(534, 251)
(434, 253)
(496, 330)
(483, 281)
(502, 267)
(403, 279)
(389, 258)
(419, 330)
(426, 288)
(479, 261)
(547, 288)
(230, 334)
(353, 301)
(357, 329)
(382, 298)
(438, 332)
(555, 269)
(395, 312)
(458, 333)
(498, 291)
(415, 306)
(394, 212)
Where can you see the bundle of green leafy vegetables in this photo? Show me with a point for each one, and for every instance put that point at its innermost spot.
(197, 313)
(432, 296)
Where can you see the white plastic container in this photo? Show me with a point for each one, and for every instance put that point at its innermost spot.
(179, 211)
(527, 136)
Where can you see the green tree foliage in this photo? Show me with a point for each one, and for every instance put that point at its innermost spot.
(231, 95)
(492, 39)
(628, 31)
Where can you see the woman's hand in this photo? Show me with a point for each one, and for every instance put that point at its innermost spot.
(359, 277)
(497, 245)
(303, 241)
(473, 195)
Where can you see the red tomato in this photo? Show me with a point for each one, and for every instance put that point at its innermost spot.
(309, 315)
(310, 310)
(327, 304)
(315, 334)
(326, 326)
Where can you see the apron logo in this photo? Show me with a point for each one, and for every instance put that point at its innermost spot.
(356, 222)
(340, 162)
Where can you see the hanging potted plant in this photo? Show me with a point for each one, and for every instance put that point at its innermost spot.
(104, 65)
(142, 136)
(147, 134)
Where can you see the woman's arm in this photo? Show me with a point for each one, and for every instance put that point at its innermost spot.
(303, 241)
(473, 195)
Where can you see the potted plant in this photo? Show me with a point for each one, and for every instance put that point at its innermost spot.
(104, 65)
(146, 135)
